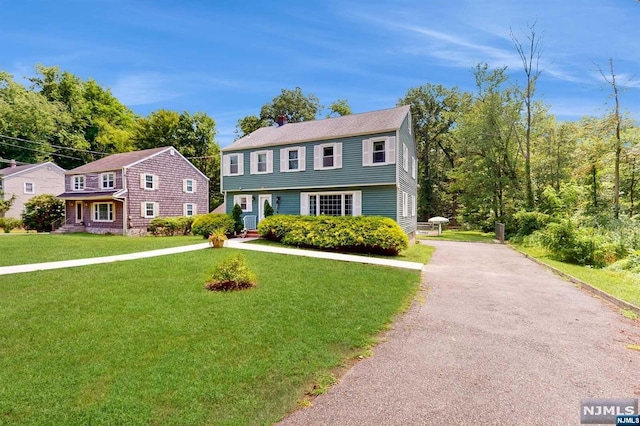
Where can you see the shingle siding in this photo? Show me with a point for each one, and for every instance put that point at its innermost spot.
(170, 170)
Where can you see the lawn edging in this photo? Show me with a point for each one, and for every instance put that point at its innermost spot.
(590, 288)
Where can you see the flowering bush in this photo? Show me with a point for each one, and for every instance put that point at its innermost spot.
(231, 274)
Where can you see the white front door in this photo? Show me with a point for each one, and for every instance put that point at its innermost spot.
(261, 199)
(79, 213)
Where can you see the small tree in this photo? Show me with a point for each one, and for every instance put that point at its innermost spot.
(5, 205)
(41, 212)
(268, 210)
(236, 213)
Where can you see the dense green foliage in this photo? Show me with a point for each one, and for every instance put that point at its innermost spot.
(268, 210)
(231, 274)
(5, 204)
(236, 214)
(9, 223)
(171, 226)
(361, 234)
(205, 224)
(42, 212)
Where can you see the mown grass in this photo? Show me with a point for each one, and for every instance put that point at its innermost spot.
(142, 342)
(621, 284)
(465, 236)
(420, 253)
(37, 248)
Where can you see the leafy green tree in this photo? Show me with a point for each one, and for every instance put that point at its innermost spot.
(339, 107)
(248, 125)
(5, 205)
(294, 105)
(42, 212)
(435, 111)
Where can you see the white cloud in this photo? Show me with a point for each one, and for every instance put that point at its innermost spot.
(144, 88)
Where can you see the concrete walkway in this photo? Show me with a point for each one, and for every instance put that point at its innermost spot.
(499, 340)
(235, 243)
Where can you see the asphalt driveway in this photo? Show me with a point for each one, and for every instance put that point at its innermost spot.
(497, 339)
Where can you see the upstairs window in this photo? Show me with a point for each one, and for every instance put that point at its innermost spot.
(261, 162)
(405, 158)
(148, 181)
(293, 159)
(327, 156)
(28, 188)
(379, 151)
(233, 164)
(78, 183)
(107, 180)
(188, 186)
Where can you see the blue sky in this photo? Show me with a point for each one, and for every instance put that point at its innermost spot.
(228, 58)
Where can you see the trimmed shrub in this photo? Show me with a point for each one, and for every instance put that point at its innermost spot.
(268, 210)
(9, 223)
(205, 224)
(236, 214)
(170, 226)
(231, 274)
(41, 212)
(360, 234)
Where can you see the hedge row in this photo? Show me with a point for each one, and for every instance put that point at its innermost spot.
(170, 226)
(360, 234)
(205, 224)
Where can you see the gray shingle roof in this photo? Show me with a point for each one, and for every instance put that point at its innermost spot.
(348, 125)
(8, 171)
(116, 161)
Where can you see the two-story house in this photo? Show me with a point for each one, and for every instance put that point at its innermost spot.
(28, 180)
(359, 164)
(121, 193)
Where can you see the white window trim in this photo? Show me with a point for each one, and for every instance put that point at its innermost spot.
(78, 178)
(405, 204)
(405, 157)
(226, 164)
(414, 168)
(94, 212)
(302, 159)
(318, 157)
(102, 182)
(194, 209)
(185, 187)
(389, 151)
(236, 200)
(143, 209)
(414, 206)
(143, 181)
(356, 200)
(33, 187)
(253, 158)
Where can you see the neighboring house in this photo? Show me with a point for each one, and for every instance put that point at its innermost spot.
(120, 194)
(27, 181)
(359, 164)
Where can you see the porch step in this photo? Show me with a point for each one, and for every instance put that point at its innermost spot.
(69, 228)
(253, 233)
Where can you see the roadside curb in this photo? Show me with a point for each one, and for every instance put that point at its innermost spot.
(594, 290)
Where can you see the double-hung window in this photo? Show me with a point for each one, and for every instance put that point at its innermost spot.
(149, 209)
(379, 151)
(188, 186)
(189, 209)
(293, 159)
(327, 156)
(244, 201)
(261, 162)
(331, 203)
(107, 180)
(148, 181)
(78, 182)
(405, 157)
(233, 164)
(103, 212)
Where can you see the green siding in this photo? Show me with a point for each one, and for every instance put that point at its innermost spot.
(351, 173)
(405, 182)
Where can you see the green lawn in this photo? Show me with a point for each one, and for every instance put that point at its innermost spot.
(142, 342)
(420, 252)
(36, 248)
(621, 284)
(468, 236)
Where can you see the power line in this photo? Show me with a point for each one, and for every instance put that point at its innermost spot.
(41, 151)
(53, 146)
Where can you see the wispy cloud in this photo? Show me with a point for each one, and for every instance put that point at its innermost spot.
(144, 88)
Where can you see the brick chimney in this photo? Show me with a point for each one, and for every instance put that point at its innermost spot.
(282, 120)
(13, 164)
